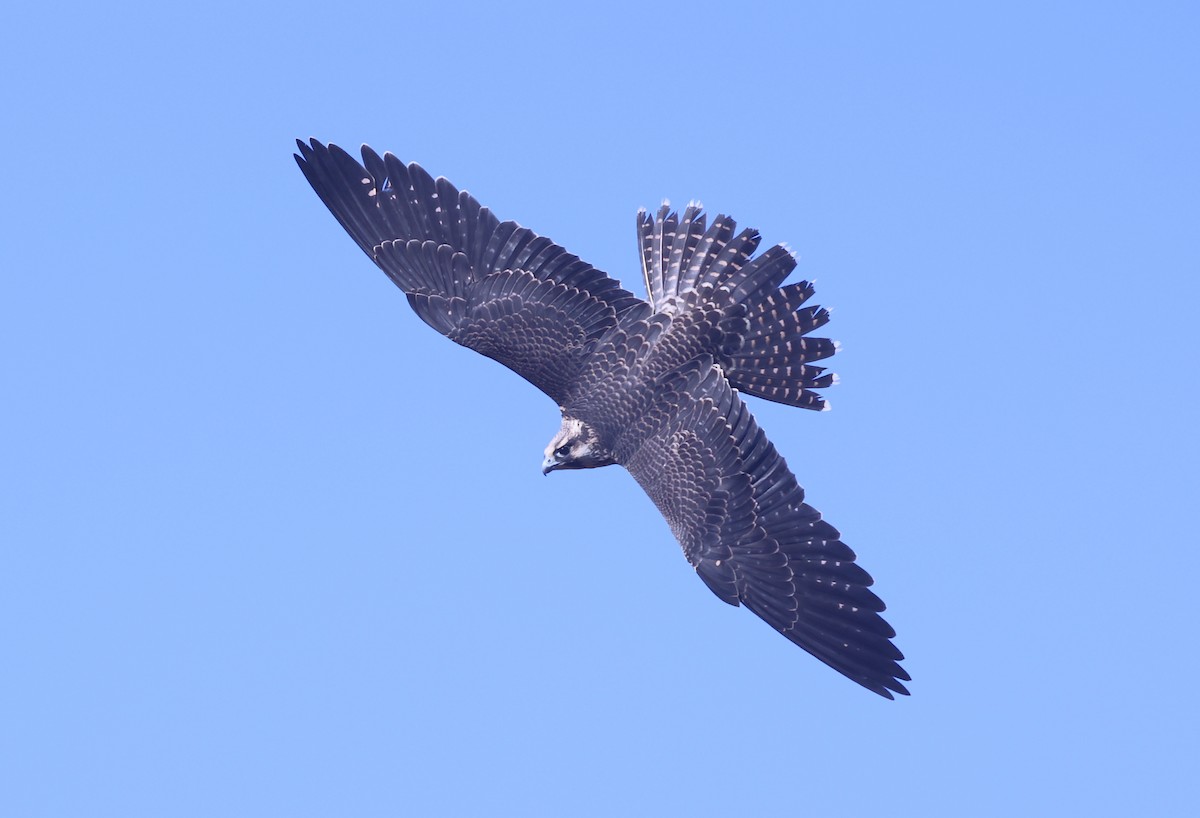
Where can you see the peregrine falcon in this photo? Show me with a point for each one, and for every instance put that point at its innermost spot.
(654, 385)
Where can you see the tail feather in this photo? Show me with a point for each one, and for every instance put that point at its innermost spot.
(782, 388)
(667, 243)
(763, 334)
(706, 251)
(726, 268)
(761, 277)
(664, 234)
(776, 356)
(683, 244)
(793, 348)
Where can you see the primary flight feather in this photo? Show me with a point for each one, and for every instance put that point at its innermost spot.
(652, 385)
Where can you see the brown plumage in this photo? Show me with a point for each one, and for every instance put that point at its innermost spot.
(651, 385)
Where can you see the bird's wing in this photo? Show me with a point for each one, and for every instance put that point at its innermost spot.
(493, 286)
(741, 518)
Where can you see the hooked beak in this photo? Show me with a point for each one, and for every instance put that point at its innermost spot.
(549, 465)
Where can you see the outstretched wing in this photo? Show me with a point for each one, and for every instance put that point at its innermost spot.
(741, 518)
(493, 286)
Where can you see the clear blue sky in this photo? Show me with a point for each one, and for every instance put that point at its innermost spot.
(271, 547)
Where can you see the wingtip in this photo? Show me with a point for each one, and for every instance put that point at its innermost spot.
(308, 149)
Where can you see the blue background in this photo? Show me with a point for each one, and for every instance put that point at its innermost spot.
(270, 546)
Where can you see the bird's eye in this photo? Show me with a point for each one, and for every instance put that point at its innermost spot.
(562, 451)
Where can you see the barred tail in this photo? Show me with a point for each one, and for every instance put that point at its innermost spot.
(776, 358)
(764, 346)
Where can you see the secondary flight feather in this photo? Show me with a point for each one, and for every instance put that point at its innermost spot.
(649, 384)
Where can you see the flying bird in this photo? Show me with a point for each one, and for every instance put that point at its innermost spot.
(652, 384)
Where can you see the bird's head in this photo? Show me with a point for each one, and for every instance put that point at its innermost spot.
(576, 446)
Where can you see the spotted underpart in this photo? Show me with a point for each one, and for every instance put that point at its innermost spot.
(650, 384)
